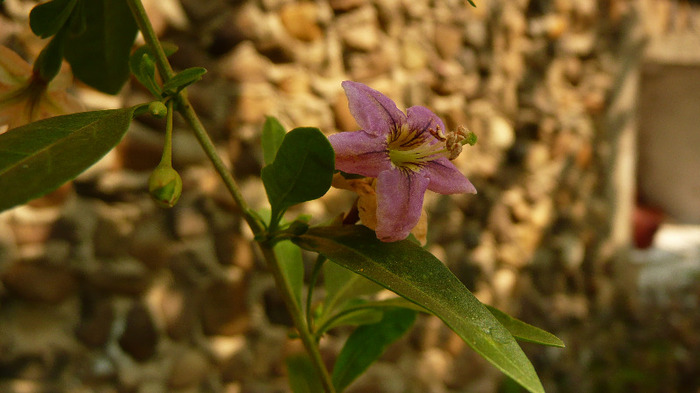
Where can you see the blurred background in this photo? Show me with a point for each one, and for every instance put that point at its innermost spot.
(585, 222)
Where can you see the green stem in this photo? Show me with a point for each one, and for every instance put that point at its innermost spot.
(305, 334)
(149, 35)
(312, 283)
(185, 109)
(168, 145)
(258, 228)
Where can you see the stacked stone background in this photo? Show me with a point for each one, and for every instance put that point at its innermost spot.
(104, 292)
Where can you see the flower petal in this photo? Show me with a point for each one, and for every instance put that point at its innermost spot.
(14, 70)
(445, 178)
(374, 112)
(421, 119)
(359, 152)
(399, 203)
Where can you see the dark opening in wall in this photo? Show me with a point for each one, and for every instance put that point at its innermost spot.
(668, 171)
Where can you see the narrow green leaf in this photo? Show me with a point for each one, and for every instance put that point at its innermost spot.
(100, 55)
(142, 66)
(147, 68)
(169, 47)
(524, 331)
(183, 79)
(520, 330)
(272, 136)
(47, 19)
(414, 273)
(302, 170)
(341, 285)
(41, 156)
(355, 314)
(302, 375)
(289, 255)
(364, 316)
(367, 343)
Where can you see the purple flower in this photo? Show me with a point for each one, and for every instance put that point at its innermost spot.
(407, 153)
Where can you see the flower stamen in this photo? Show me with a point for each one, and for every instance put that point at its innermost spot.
(412, 150)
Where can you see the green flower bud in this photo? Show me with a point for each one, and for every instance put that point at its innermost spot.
(157, 109)
(165, 186)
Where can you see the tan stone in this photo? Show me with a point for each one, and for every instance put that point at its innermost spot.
(448, 40)
(37, 282)
(345, 5)
(225, 311)
(359, 29)
(190, 366)
(256, 100)
(54, 198)
(124, 275)
(244, 64)
(413, 55)
(341, 112)
(301, 20)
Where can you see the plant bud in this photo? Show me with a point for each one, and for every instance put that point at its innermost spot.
(157, 109)
(165, 186)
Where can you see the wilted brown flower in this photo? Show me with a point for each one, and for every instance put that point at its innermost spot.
(25, 98)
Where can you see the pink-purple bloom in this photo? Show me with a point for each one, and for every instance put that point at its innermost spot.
(408, 153)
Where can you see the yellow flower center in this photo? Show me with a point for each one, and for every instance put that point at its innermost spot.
(411, 150)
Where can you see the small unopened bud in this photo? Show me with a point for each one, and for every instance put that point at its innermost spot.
(157, 109)
(165, 185)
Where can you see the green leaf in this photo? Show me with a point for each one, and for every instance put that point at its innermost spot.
(41, 156)
(341, 285)
(367, 343)
(520, 330)
(525, 332)
(47, 19)
(48, 63)
(78, 20)
(183, 79)
(272, 136)
(142, 65)
(100, 55)
(292, 264)
(414, 273)
(302, 375)
(363, 316)
(169, 47)
(302, 170)
(354, 313)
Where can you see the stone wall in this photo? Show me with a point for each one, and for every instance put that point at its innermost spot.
(102, 291)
